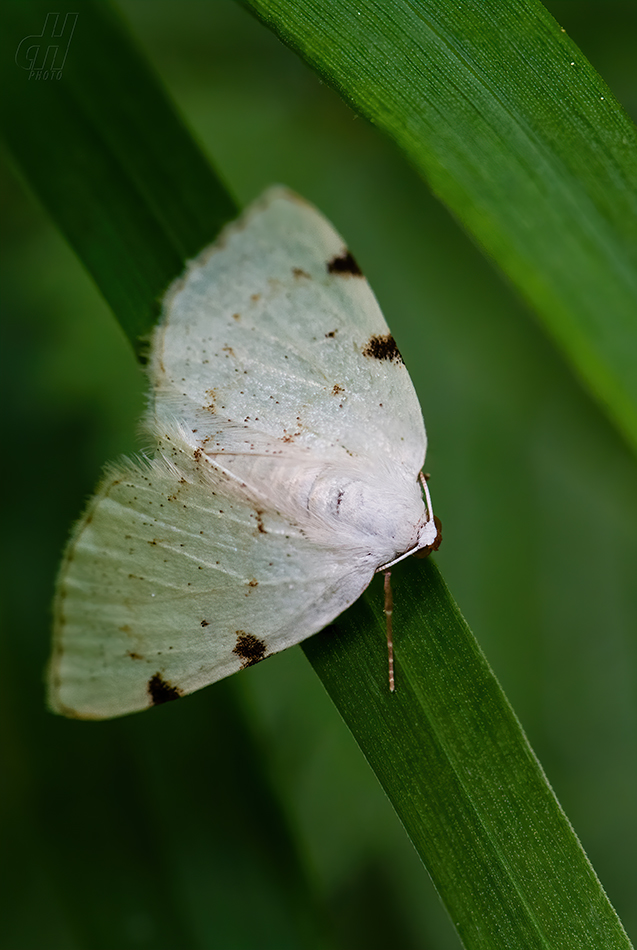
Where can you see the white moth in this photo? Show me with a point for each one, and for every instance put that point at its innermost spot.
(289, 446)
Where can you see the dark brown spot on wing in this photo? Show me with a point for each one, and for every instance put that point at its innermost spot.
(344, 264)
(336, 389)
(299, 272)
(382, 348)
(160, 691)
(249, 649)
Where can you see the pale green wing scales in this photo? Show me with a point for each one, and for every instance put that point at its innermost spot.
(274, 337)
(171, 582)
(288, 445)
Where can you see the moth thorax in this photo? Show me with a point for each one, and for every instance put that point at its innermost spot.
(390, 509)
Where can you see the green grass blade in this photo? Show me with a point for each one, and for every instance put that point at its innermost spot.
(516, 132)
(135, 198)
(453, 759)
(110, 160)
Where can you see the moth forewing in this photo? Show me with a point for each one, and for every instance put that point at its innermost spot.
(288, 442)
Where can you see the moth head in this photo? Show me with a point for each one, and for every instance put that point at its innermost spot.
(430, 534)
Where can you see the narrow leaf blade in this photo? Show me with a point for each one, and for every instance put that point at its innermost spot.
(109, 158)
(457, 767)
(516, 132)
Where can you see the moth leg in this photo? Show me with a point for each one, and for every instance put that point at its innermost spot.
(389, 609)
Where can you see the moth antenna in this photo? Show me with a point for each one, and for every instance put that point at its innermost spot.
(389, 609)
(430, 508)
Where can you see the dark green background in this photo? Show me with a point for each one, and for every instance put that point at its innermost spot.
(245, 816)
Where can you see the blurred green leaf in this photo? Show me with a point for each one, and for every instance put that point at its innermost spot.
(109, 158)
(134, 215)
(452, 757)
(516, 132)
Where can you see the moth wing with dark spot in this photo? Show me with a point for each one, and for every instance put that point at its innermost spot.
(278, 320)
(172, 581)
